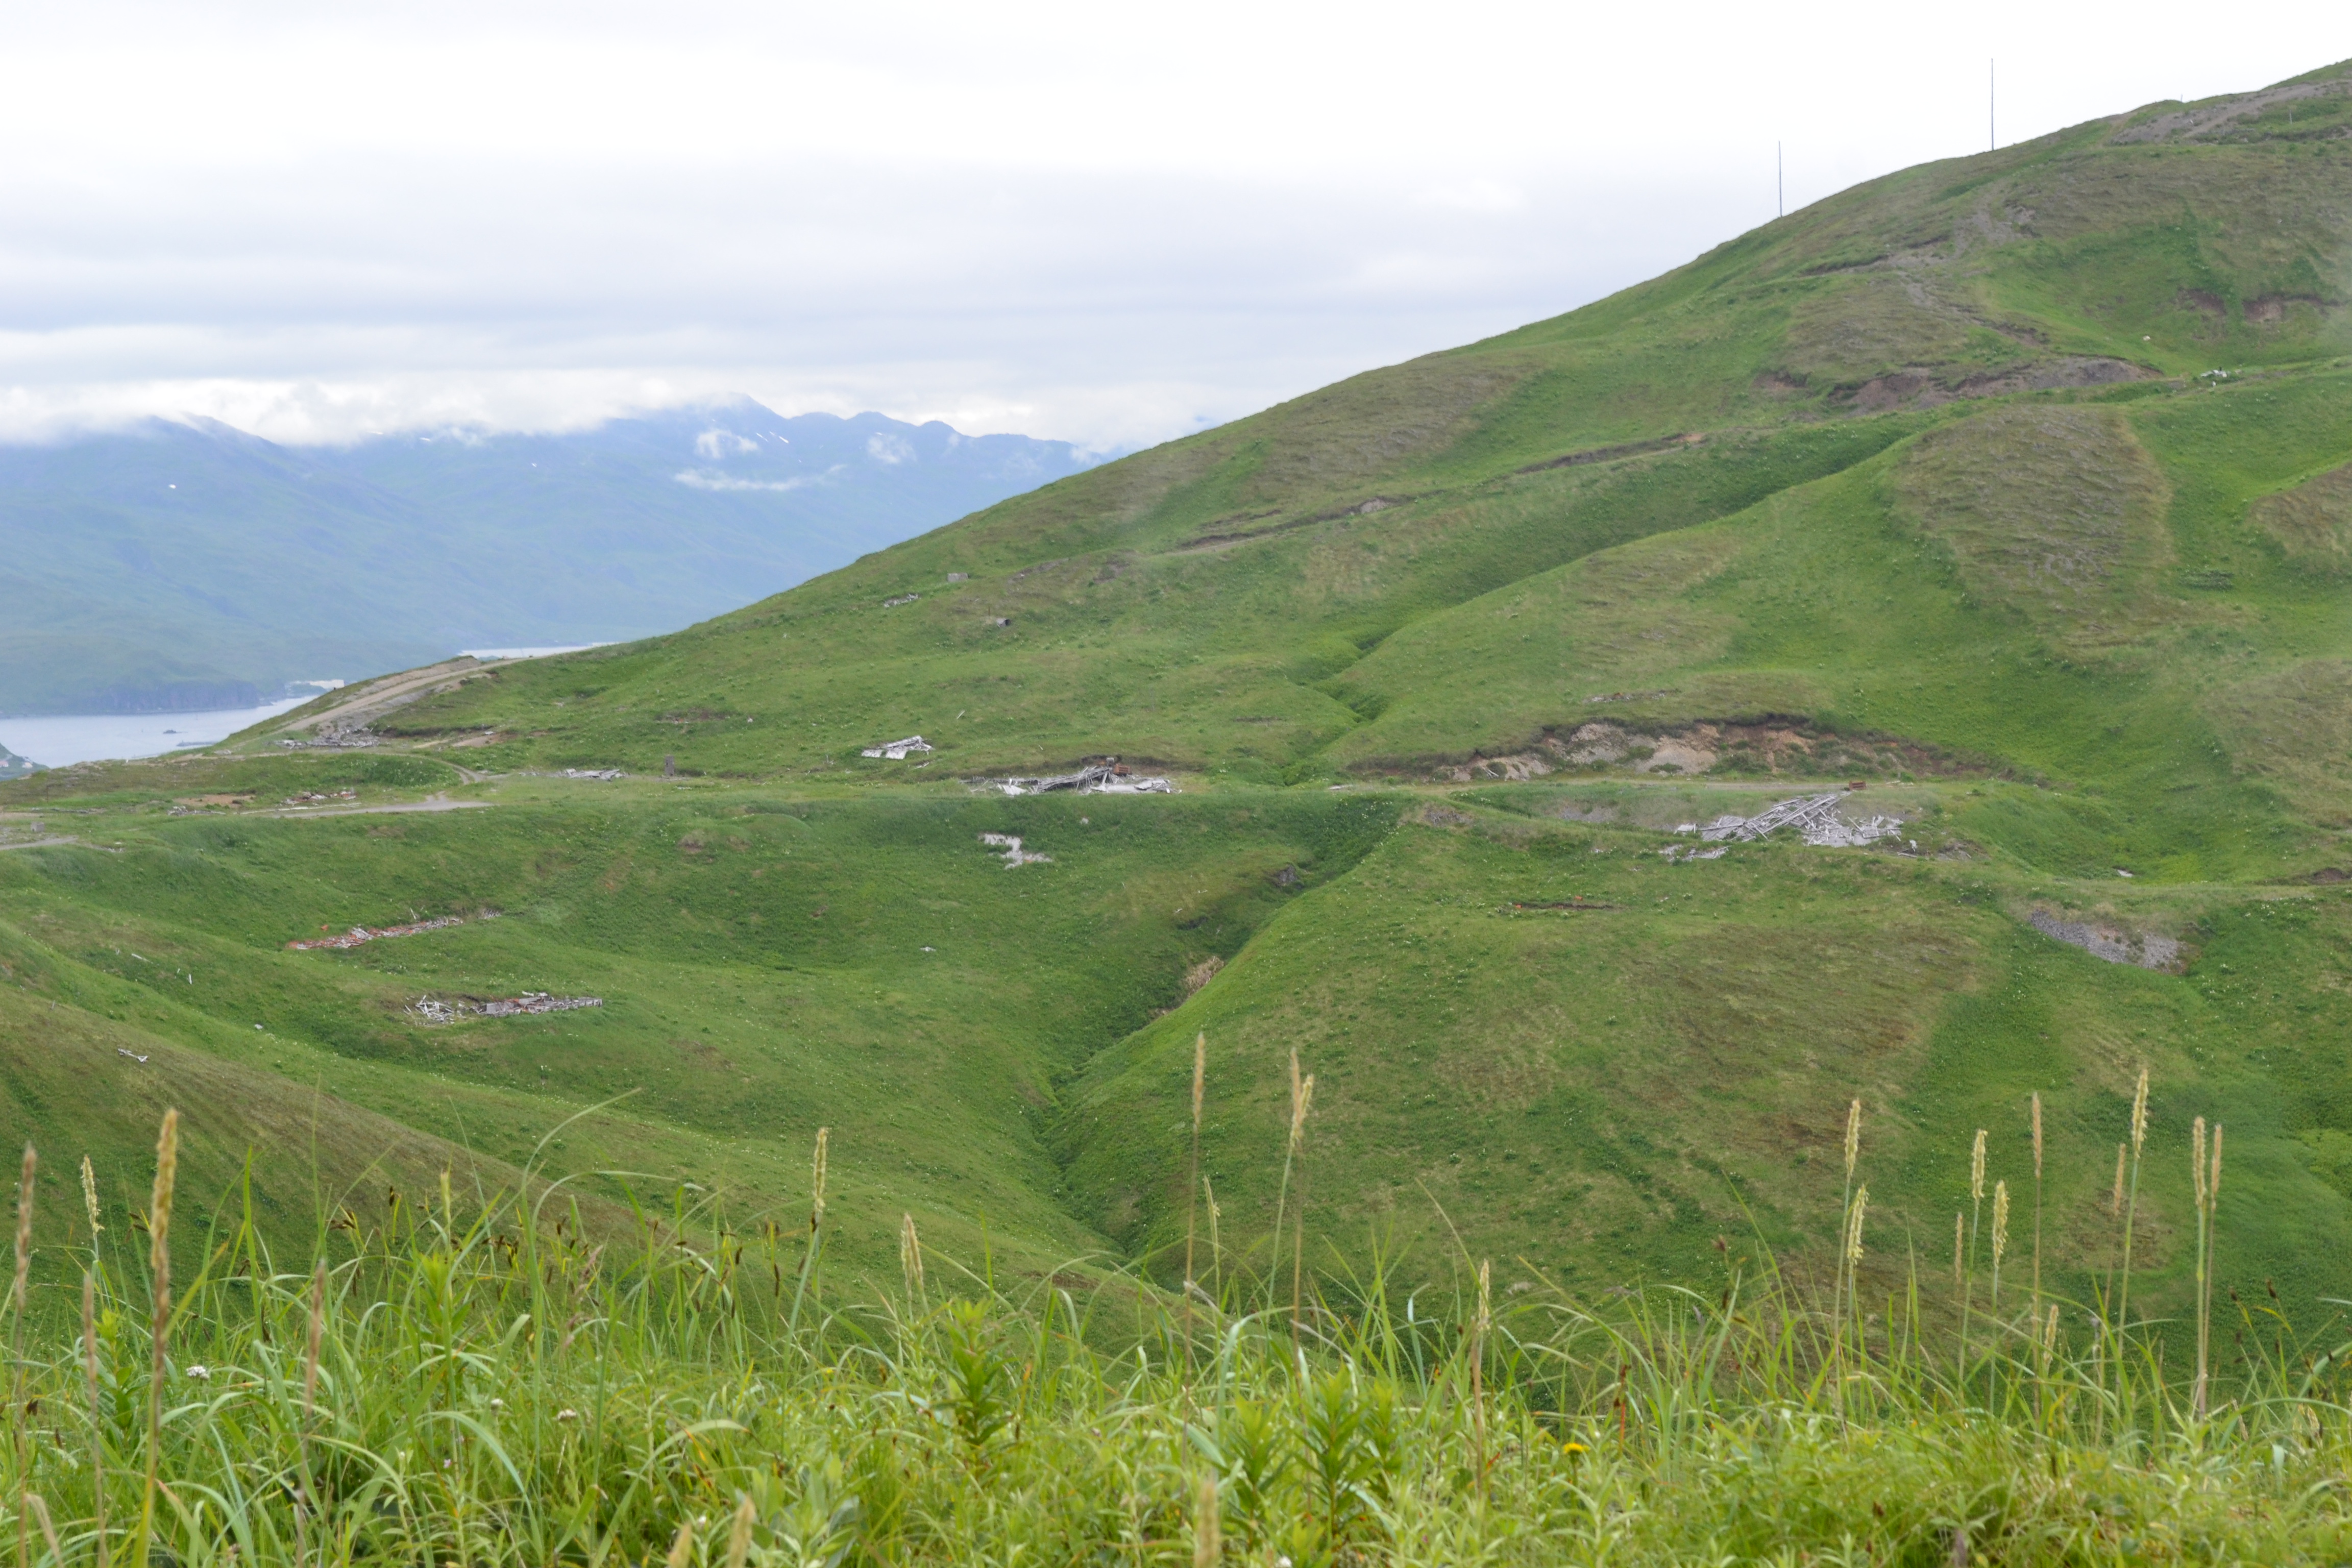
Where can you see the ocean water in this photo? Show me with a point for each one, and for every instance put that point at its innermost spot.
(490, 653)
(83, 738)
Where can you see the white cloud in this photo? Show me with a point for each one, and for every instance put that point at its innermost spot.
(694, 479)
(1106, 226)
(885, 448)
(717, 444)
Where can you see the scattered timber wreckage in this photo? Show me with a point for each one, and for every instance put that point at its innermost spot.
(1108, 776)
(1815, 818)
(448, 1010)
(358, 934)
(1014, 855)
(335, 737)
(897, 750)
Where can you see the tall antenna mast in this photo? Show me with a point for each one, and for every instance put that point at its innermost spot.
(1992, 135)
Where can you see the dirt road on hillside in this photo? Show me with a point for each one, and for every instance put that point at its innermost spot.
(430, 803)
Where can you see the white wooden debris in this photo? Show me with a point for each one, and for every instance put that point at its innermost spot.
(1814, 817)
(1096, 778)
(897, 750)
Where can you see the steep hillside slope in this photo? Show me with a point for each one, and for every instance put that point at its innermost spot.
(1194, 603)
(1996, 508)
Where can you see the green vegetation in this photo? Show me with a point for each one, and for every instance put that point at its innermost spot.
(1925, 495)
(519, 1379)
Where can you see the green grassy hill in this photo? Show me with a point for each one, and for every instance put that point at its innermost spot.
(2013, 489)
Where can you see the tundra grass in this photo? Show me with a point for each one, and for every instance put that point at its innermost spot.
(494, 1382)
(765, 966)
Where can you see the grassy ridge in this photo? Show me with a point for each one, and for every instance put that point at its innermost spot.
(1189, 603)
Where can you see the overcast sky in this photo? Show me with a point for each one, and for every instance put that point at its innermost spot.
(1106, 223)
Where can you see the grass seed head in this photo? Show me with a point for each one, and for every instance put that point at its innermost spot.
(2140, 1112)
(2197, 1158)
(816, 1183)
(1976, 1168)
(159, 1201)
(2000, 1220)
(1960, 1247)
(1854, 1224)
(317, 1332)
(2037, 1135)
(1853, 1136)
(739, 1533)
(681, 1551)
(2115, 1198)
(1302, 1094)
(24, 1226)
(1206, 1546)
(1200, 1075)
(90, 1197)
(910, 1256)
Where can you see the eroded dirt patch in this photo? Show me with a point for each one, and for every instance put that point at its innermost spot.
(1792, 749)
(2114, 942)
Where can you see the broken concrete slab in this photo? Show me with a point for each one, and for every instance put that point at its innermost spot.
(1014, 855)
(448, 1010)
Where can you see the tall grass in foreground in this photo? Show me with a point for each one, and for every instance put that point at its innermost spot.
(500, 1385)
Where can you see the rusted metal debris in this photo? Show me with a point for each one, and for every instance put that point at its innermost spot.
(449, 1009)
(897, 750)
(1095, 778)
(358, 934)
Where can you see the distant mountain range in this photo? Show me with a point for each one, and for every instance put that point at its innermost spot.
(181, 565)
